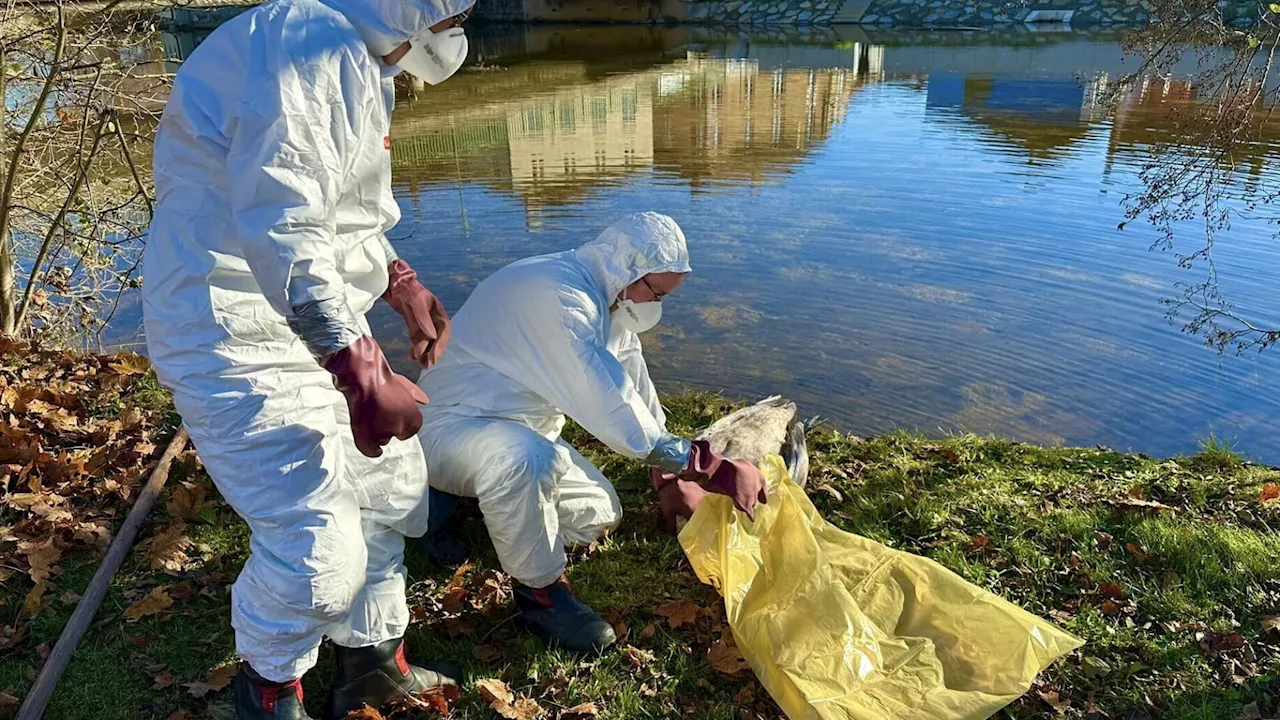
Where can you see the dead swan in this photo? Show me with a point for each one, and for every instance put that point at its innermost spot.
(768, 427)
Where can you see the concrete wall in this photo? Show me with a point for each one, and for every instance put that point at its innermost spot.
(986, 13)
(887, 13)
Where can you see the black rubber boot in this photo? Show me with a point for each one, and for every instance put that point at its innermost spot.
(441, 541)
(258, 699)
(378, 674)
(555, 615)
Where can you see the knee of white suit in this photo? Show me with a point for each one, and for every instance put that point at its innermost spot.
(334, 586)
(517, 469)
(518, 499)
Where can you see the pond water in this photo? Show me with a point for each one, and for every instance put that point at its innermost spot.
(895, 230)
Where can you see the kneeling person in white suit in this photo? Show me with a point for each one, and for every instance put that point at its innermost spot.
(540, 339)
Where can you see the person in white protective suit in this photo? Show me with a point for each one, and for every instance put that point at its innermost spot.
(540, 339)
(273, 172)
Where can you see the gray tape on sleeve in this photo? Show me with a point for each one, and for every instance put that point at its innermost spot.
(325, 326)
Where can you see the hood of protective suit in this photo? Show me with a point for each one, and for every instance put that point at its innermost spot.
(385, 24)
(633, 247)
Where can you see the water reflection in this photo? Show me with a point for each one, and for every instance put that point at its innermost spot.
(701, 120)
(897, 230)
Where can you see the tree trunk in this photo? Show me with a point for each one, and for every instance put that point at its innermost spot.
(7, 260)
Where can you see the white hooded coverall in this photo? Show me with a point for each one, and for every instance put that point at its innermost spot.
(533, 343)
(273, 181)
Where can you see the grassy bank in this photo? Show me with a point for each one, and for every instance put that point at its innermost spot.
(1169, 570)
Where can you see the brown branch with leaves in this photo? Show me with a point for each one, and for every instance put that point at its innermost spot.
(1205, 169)
(86, 88)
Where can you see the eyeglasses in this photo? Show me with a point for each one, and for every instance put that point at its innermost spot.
(656, 295)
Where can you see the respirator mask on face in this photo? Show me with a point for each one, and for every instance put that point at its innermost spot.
(637, 317)
(434, 57)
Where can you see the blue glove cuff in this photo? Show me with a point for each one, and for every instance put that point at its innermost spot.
(670, 454)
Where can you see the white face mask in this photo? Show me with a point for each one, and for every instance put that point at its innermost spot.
(637, 317)
(434, 57)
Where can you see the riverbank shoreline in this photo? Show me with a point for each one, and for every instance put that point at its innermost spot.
(1169, 569)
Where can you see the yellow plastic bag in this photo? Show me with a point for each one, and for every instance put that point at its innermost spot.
(839, 626)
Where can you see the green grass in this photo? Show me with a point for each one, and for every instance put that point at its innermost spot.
(1192, 550)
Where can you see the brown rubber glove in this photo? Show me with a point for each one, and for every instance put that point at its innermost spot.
(738, 479)
(424, 315)
(383, 405)
(676, 498)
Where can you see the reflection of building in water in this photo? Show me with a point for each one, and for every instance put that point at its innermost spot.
(700, 118)
(1042, 116)
(728, 119)
(1160, 110)
(560, 141)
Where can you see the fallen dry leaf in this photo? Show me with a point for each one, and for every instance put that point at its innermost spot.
(11, 635)
(1271, 625)
(167, 549)
(494, 690)
(454, 600)
(156, 601)
(459, 576)
(364, 713)
(504, 702)
(1135, 505)
(163, 680)
(494, 593)
(7, 700)
(43, 558)
(181, 715)
(131, 365)
(1110, 607)
(437, 698)
(131, 417)
(979, 541)
(725, 658)
(220, 677)
(1218, 643)
(649, 631)
(1269, 493)
(186, 502)
(679, 613)
(1053, 700)
(585, 711)
(524, 709)
(32, 603)
(1136, 552)
(1112, 591)
(639, 658)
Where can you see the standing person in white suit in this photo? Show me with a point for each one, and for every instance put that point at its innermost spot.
(268, 247)
(539, 340)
